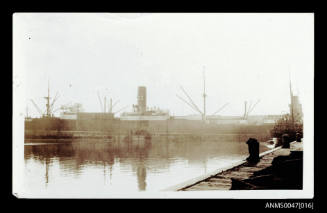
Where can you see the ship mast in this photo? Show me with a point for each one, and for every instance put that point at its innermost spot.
(110, 105)
(245, 110)
(27, 112)
(48, 101)
(105, 104)
(291, 107)
(204, 95)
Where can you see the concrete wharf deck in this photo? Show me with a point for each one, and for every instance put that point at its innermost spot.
(222, 180)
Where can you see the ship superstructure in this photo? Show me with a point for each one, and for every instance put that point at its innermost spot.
(141, 112)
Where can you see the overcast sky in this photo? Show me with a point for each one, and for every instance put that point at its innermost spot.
(245, 57)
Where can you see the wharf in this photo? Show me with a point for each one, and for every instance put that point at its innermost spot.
(244, 171)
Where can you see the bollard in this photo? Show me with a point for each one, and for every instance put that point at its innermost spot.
(298, 137)
(253, 146)
(285, 141)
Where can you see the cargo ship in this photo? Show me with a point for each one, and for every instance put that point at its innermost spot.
(150, 122)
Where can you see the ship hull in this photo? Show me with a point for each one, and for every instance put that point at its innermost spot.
(55, 128)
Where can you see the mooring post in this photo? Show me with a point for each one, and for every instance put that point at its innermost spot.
(298, 137)
(253, 146)
(285, 141)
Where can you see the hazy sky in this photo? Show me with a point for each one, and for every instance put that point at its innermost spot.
(246, 57)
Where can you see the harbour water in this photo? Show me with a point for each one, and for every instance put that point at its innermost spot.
(102, 167)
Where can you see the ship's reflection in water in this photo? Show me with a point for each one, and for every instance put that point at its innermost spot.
(106, 167)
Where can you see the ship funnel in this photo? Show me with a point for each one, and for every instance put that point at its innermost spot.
(141, 99)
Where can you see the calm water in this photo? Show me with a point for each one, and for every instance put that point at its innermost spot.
(112, 167)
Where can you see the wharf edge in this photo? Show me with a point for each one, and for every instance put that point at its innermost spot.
(194, 181)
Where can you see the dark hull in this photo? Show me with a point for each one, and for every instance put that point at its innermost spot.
(55, 128)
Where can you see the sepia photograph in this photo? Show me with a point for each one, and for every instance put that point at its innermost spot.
(163, 105)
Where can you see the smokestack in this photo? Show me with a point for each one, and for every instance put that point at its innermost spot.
(141, 99)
